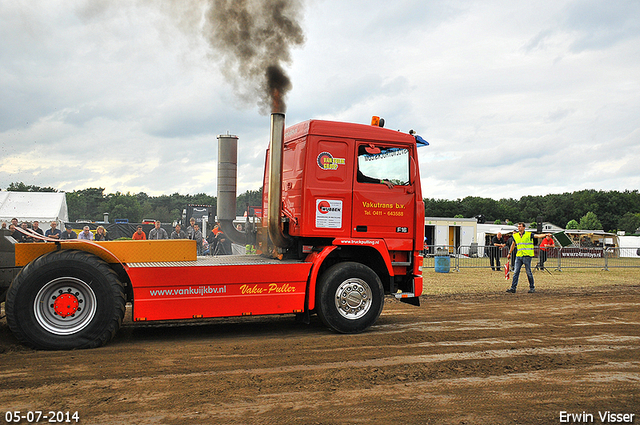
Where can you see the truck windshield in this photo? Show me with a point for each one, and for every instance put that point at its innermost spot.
(388, 163)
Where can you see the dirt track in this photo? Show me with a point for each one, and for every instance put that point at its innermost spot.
(475, 359)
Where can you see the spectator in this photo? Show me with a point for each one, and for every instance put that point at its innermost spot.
(101, 234)
(178, 233)
(14, 221)
(158, 232)
(36, 228)
(25, 238)
(86, 234)
(139, 235)
(494, 251)
(196, 235)
(546, 243)
(223, 244)
(68, 233)
(211, 240)
(18, 235)
(53, 232)
(4, 225)
(190, 229)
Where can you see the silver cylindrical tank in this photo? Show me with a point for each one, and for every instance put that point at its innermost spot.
(227, 178)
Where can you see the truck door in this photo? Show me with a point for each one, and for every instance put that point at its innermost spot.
(383, 195)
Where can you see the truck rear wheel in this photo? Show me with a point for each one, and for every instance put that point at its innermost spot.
(349, 297)
(65, 300)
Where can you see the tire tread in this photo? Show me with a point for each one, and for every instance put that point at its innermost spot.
(69, 257)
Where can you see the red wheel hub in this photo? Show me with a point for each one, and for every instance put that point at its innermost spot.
(65, 305)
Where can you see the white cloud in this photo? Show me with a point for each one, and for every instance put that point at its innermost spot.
(516, 98)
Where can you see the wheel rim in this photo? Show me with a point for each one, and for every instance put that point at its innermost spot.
(353, 298)
(65, 305)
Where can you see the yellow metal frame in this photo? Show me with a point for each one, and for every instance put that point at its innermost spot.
(127, 251)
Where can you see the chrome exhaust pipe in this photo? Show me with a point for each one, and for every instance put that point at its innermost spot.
(274, 197)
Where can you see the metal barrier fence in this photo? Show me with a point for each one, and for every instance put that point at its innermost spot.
(475, 256)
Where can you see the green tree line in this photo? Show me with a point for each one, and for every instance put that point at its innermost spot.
(609, 210)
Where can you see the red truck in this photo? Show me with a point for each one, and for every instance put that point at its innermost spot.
(343, 225)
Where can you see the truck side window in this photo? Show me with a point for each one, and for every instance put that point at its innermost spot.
(391, 164)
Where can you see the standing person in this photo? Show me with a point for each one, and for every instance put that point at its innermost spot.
(494, 251)
(86, 234)
(178, 233)
(20, 236)
(524, 243)
(546, 243)
(196, 235)
(192, 223)
(53, 232)
(158, 232)
(36, 228)
(139, 235)
(68, 233)
(101, 234)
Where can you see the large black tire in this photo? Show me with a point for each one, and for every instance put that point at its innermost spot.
(65, 300)
(349, 297)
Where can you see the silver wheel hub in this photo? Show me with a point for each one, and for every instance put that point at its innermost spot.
(353, 298)
(65, 305)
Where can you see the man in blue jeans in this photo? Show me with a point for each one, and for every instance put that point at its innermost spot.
(524, 244)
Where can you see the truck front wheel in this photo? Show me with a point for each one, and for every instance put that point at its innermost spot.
(65, 300)
(349, 297)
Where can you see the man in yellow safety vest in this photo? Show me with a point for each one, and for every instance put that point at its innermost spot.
(524, 243)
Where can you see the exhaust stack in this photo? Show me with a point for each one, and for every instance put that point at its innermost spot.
(227, 176)
(274, 200)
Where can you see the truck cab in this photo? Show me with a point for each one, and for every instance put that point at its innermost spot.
(354, 189)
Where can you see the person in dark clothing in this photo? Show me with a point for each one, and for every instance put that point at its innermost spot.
(223, 244)
(20, 236)
(101, 234)
(178, 233)
(36, 228)
(68, 233)
(53, 232)
(211, 240)
(497, 243)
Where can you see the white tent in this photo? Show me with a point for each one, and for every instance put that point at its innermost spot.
(31, 206)
(629, 246)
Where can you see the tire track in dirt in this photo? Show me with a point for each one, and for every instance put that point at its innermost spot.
(494, 360)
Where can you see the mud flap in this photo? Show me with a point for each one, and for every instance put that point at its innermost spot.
(411, 300)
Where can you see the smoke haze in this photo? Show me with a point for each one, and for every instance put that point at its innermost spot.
(253, 39)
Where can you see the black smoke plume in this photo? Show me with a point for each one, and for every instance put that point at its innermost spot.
(253, 39)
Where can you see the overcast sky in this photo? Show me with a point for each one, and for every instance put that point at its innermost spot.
(515, 97)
